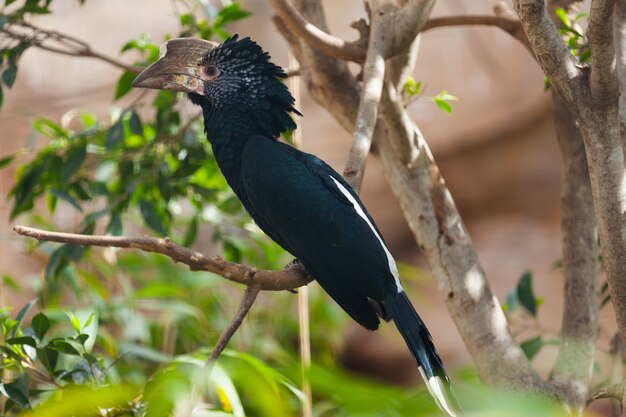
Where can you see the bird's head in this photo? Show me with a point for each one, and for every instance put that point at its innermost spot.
(235, 78)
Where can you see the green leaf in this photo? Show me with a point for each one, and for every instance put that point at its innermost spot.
(532, 346)
(192, 232)
(115, 226)
(134, 124)
(546, 83)
(63, 347)
(75, 321)
(124, 84)
(49, 128)
(24, 189)
(231, 13)
(40, 325)
(114, 135)
(62, 195)
(9, 75)
(442, 99)
(24, 340)
(73, 161)
(48, 358)
(561, 13)
(82, 338)
(6, 160)
(1, 95)
(56, 263)
(443, 105)
(151, 216)
(525, 293)
(20, 316)
(17, 391)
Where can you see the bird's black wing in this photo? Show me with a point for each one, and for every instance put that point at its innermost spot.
(296, 199)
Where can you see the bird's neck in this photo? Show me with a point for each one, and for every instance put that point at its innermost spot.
(228, 130)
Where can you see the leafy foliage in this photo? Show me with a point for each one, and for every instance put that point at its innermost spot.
(414, 89)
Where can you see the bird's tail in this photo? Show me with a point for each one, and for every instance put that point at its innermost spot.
(420, 344)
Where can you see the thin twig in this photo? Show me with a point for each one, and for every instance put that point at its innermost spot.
(60, 43)
(246, 302)
(506, 24)
(278, 280)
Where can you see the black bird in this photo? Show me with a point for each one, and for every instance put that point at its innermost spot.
(294, 197)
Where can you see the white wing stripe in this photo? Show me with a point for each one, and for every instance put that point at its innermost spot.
(393, 268)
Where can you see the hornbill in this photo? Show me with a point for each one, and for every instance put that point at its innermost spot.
(294, 197)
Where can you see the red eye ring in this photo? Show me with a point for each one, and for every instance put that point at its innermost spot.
(210, 72)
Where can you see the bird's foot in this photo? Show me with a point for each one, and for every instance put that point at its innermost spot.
(297, 264)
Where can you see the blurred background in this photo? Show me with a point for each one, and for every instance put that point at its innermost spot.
(497, 152)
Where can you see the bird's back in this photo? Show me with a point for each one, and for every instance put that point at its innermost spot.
(300, 202)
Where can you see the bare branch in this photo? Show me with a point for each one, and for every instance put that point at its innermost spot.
(323, 42)
(285, 279)
(504, 23)
(551, 52)
(246, 303)
(373, 75)
(603, 76)
(59, 43)
(405, 22)
(579, 327)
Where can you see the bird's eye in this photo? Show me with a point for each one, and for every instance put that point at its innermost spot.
(210, 72)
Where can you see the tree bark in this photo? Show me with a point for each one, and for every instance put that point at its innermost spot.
(579, 328)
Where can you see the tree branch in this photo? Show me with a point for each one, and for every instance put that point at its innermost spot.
(405, 23)
(285, 279)
(603, 77)
(373, 75)
(504, 23)
(320, 40)
(551, 52)
(244, 307)
(59, 43)
(579, 328)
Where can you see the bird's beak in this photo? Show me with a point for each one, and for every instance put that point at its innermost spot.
(178, 68)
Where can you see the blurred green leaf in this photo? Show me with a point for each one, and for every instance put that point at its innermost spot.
(152, 217)
(23, 340)
(73, 161)
(561, 13)
(63, 347)
(532, 346)
(114, 135)
(20, 316)
(48, 358)
(525, 293)
(62, 195)
(124, 84)
(40, 325)
(192, 232)
(9, 75)
(17, 390)
(6, 160)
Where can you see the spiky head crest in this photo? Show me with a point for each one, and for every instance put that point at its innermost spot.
(240, 80)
